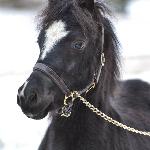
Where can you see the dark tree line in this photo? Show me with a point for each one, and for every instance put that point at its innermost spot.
(20, 3)
(119, 5)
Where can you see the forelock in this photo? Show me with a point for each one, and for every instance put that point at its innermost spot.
(56, 9)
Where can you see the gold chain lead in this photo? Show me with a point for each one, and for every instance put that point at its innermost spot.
(75, 95)
(109, 119)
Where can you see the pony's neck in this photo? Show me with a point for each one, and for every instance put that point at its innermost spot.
(82, 130)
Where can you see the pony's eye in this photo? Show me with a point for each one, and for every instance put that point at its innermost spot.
(79, 45)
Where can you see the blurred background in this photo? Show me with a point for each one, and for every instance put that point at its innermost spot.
(19, 52)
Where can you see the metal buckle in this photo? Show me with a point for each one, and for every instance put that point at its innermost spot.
(92, 87)
(103, 60)
(68, 103)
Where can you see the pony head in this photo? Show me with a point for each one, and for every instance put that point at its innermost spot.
(73, 34)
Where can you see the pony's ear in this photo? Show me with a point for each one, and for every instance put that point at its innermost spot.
(88, 4)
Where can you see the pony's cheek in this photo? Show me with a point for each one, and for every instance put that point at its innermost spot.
(70, 66)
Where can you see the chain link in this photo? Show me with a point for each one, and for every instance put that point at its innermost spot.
(109, 119)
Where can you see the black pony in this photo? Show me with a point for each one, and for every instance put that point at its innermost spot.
(78, 65)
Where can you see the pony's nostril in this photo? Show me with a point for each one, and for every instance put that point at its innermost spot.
(22, 98)
(33, 97)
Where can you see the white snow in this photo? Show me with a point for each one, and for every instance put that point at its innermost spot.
(19, 52)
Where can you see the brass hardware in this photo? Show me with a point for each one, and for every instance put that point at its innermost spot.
(92, 87)
(66, 110)
(103, 60)
(73, 96)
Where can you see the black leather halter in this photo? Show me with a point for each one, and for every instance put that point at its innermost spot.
(57, 80)
(48, 71)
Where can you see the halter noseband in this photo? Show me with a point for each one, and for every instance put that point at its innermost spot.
(48, 71)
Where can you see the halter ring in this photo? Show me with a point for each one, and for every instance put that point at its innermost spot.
(68, 103)
(73, 96)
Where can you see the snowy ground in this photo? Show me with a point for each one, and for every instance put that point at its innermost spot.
(19, 52)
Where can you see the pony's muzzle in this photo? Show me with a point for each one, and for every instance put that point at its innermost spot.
(29, 101)
(36, 96)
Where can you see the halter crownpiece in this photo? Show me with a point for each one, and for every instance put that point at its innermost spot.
(102, 57)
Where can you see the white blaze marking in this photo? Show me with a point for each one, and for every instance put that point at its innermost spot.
(24, 86)
(54, 34)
